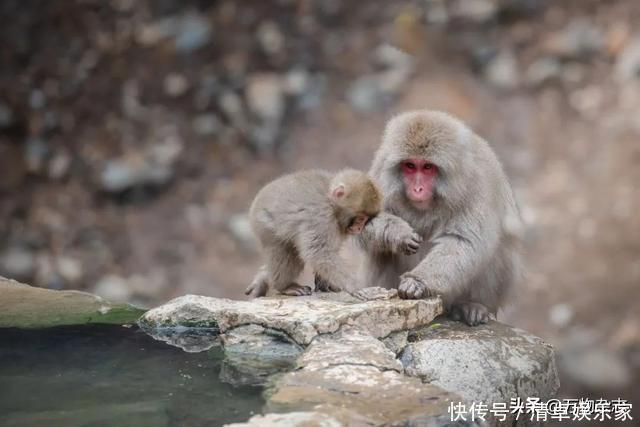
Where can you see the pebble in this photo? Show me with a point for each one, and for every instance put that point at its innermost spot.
(206, 124)
(192, 32)
(176, 84)
(18, 263)
(241, 228)
(365, 94)
(265, 96)
(271, 38)
(579, 39)
(502, 71)
(543, 71)
(6, 116)
(628, 62)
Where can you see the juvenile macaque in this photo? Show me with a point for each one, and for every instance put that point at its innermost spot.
(303, 219)
(442, 180)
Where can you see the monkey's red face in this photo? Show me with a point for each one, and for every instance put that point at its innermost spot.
(357, 224)
(419, 177)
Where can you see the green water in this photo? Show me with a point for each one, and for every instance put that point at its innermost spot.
(113, 376)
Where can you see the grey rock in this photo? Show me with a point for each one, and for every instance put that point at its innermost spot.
(241, 228)
(6, 116)
(628, 62)
(37, 99)
(270, 37)
(579, 39)
(36, 153)
(292, 419)
(502, 71)
(191, 340)
(23, 306)
(366, 94)
(117, 176)
(265, 96)
(396, 341)
(254, 353)
(154, 167)
(301, 318)
(348, 347)
(371, 92)
(561, 315)
(59, 165)
(585, 361)
(114, 288)
(500, 362)
(206, 124)
(175, 84)
(18, 263)
(296, 82)
(192, 31)
(543, 71)
(477, 11)
(361, 395)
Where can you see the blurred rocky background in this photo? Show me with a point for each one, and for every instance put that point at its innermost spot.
(134, 133)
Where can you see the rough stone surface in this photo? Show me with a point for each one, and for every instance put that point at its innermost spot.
(292, 419)
(348, 348)
(191, 340)
(371, 396)
(23, 306)
(488, 363)
(254, 353)
(301, 318)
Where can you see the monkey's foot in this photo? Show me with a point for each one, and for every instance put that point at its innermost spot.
(295, 290)
(323, 285)
(411, 288)
(257, 289)
(471, 313)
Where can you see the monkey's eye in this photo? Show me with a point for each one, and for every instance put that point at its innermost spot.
(410, 166)
(428, 166)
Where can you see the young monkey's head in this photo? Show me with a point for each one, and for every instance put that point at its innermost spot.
(355, 198)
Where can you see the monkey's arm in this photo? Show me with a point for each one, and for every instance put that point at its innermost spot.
(389, 233)
(454, 259)
(321, 250)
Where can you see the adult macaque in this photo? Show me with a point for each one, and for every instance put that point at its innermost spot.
(304, 218)
(442, 180)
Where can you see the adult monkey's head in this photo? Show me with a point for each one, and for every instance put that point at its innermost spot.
(424, 159)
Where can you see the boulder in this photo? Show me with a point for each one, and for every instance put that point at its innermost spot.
(24, 306)
(300, 318)
(488, 363)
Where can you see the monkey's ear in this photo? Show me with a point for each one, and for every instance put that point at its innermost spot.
(338, 191)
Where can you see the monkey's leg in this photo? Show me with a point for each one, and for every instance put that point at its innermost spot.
(284, 266)
(471, 313)
(323, 285)
(389, 233)
(260, 284)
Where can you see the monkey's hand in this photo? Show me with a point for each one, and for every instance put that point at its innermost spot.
(404, 239)
(323, 285)
(412, 288)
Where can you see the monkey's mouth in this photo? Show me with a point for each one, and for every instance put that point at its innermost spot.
(421, 204)
(355, 229)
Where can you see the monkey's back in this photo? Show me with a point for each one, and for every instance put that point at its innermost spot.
(287, 204)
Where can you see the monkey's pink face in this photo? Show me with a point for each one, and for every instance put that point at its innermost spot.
(418, 176)
(357, 224)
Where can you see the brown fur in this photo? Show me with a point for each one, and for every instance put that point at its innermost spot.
(471, 227)
(298, 220)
